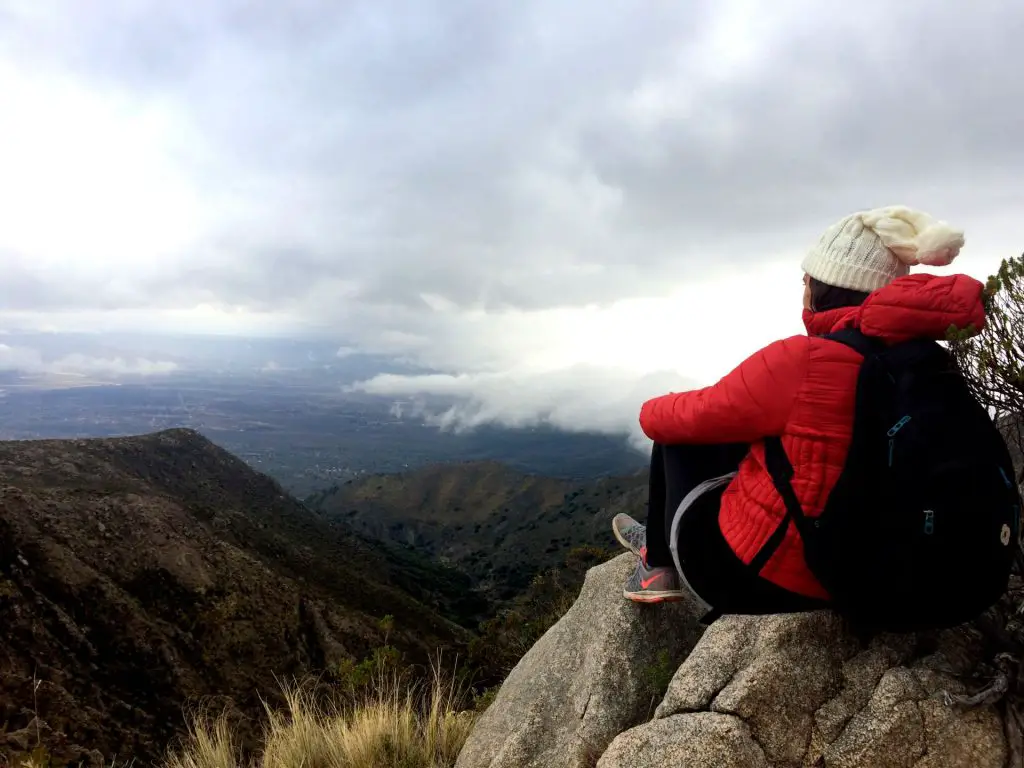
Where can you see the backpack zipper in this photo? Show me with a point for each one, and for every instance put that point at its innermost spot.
(892, 435)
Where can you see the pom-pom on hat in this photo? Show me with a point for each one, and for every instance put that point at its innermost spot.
(870, 249)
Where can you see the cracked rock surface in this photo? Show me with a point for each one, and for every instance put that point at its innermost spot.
(812, 695)
(756, 691)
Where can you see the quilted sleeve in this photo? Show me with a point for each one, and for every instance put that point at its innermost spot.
(752, 402)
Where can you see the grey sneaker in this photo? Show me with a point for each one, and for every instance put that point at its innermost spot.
(631, 534)
(653, 585)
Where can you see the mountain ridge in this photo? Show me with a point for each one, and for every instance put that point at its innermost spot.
(140, 574)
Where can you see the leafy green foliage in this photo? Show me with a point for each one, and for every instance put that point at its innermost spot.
(483, 698)
(355, 680)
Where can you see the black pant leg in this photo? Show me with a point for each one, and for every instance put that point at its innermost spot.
(658, 553)
(675, 471)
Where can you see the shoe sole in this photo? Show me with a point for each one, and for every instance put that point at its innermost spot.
(624, 541)
(653, 597)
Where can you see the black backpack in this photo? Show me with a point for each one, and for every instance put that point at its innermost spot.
(922, 528)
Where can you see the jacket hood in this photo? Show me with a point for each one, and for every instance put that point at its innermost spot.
(910, 307)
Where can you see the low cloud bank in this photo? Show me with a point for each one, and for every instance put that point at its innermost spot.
(28, 360)
(582, 398)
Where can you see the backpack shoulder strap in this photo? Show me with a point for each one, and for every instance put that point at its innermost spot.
(781, 471)
(856, 339)
(893, 358)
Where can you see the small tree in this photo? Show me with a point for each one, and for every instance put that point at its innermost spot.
(993, 361)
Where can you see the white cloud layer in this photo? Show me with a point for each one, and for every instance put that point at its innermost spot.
(578, 398)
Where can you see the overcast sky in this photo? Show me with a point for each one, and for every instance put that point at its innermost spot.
(565, 206)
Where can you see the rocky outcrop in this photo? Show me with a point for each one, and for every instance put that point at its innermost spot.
(598, 672)
(756, 691)
(798, 690)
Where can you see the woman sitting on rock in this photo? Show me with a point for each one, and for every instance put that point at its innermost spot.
(712, 504)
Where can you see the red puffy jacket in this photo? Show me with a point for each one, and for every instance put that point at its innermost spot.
(802, 388)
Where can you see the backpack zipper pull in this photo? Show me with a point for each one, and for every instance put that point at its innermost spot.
(898, 426)
(929, 522)
(892, 435)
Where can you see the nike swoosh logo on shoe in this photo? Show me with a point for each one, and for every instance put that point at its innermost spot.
(645, 583)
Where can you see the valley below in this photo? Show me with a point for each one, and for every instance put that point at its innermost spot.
(498, 525)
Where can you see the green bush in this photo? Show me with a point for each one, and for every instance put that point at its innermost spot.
(355, 679)
(993, 361)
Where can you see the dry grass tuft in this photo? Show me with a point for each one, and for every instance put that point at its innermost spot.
(394, 726)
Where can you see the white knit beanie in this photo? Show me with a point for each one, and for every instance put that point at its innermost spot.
(870, 249)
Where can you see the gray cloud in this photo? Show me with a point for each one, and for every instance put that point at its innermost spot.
(351, 157)
(24, 287)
